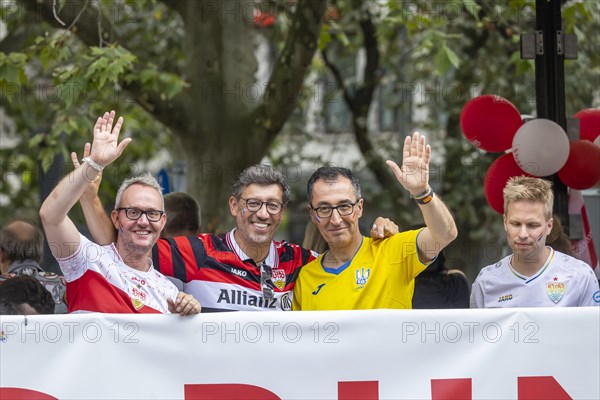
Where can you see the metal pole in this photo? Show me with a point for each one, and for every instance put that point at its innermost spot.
(550, 85)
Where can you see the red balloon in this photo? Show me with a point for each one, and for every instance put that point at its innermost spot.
(490, 122)
(589, 123)
(582, 170)
(503, 168)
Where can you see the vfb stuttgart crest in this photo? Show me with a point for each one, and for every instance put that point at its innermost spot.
(279, 278)
(555, 290)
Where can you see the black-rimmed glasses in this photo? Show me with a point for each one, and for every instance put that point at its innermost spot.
(342, 209)
(254, 205)
(136, 213)
(266, 281)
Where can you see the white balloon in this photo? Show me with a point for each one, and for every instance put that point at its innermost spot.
(540, 147)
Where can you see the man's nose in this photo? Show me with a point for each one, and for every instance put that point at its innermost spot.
(523, 232)
(262, 211)
(143, 219)
(336, 217)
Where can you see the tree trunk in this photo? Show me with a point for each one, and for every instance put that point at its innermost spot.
(219, 71)
(219, 122)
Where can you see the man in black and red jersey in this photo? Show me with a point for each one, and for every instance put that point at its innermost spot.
(243, 270)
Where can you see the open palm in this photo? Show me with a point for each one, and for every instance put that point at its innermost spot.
(105, 146)
(414, 173)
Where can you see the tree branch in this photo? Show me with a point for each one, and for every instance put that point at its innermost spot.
(371, 71)
(339, 80)
(359, 103)
(364, 97)
(85, 27)
(170, 113)
(287, 79)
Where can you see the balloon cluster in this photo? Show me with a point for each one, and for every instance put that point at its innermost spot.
(538, 147)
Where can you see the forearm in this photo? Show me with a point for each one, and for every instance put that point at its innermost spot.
(62, 235)
(98, 222)
(440, 227)
(64, 196)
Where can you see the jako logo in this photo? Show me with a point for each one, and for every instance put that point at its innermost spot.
(239, 272)
(506, 297)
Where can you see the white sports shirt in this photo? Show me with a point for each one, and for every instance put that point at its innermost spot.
(563, 281)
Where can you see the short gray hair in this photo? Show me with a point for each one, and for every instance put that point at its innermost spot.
(261, 174)
(146, 180)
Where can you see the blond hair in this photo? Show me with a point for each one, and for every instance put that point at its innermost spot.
(529, 189)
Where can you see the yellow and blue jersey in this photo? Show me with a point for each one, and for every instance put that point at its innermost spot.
(380, 275)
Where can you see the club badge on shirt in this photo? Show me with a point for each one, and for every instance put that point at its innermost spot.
(279, 278)
(361, 277)
(555, 289)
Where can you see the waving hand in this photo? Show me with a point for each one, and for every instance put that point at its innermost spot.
(105, 146)
(414, 173)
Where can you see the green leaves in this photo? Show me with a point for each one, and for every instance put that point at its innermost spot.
(12, 73)
(107, 64)
(325, 38)
(445, 58)
(168, 85)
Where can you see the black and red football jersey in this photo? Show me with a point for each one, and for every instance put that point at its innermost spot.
(223, 278)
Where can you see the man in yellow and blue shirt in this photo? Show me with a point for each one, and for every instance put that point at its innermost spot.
(358, 272)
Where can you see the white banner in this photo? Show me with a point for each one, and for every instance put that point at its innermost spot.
(379, 354)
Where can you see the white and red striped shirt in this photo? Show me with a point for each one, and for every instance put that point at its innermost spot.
(98, 280)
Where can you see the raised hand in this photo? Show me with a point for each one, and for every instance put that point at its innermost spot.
(414, 173)
(105, 147)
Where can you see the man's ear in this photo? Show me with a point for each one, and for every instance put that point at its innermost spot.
(549, 225)
(114, 217)
(360, 207)
(233, 206)
(504, 222)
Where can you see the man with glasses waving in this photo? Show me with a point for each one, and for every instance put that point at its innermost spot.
(357, 272)
(119, 277)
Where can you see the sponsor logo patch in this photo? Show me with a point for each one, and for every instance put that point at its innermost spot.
(506, 297)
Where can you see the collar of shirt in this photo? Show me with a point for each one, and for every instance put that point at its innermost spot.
(271, 260)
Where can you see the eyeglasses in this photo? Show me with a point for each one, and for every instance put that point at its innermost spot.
(342, 209)
(136, 213)
(266, 281)
(255, 205)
